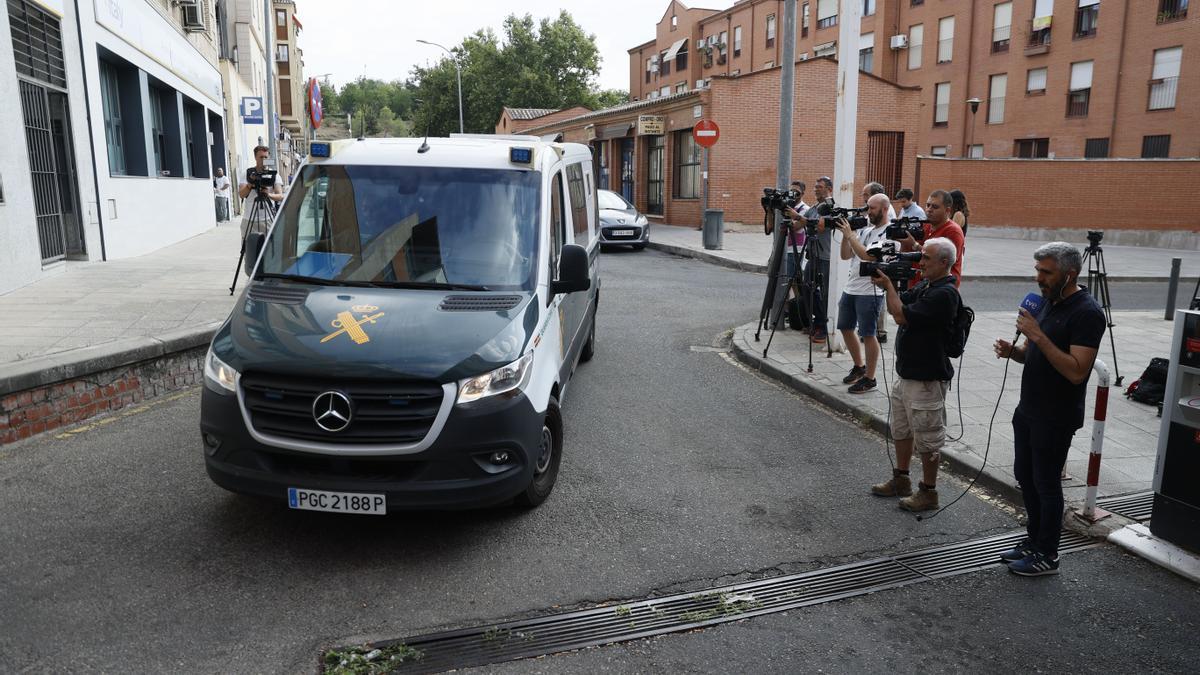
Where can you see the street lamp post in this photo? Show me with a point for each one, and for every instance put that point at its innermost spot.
(974, 103)
(458, 72)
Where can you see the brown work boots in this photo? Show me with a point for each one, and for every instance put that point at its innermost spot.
(926, 498)
(899, 486)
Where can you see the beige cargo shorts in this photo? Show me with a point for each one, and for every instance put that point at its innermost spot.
(919, 413)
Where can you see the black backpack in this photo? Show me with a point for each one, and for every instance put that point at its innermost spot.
(960, 330)
(1152, 385)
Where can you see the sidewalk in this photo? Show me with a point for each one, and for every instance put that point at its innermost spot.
(747, 248)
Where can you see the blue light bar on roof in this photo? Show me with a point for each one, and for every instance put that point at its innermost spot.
(520, 155)
(318, 149)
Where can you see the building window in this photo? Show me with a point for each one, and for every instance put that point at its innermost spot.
(1164, 78)
(916, 3)
(649, 69)
(654, 174)
(687, 166)
(674, 22)
(770, 30)
(1095, 148)
(280, 18)
(1080, 91)
(281, 53)
(868, 7)
(1035, 82)
(1171, 10)
(1039, 27)
(866, 52)
(680, 87)
(916, 43)
(158, 132)
(945, 39)
(1156, 147)
(681, 58)
(1086, 15)
(665, 91)
(827, 13)
(804, 20)
(665, 65)
(941, 104)
(975, 152)
(1032, 148)
(938, 151)
(37, 43)
(192, 17)
(1001, 27)
(737, 40)
(110, 96)
(996, 88)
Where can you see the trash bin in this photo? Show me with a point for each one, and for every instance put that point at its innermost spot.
(714, 226)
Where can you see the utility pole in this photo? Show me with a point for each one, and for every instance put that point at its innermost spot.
(845, 134)
(270, 120)
(787, 98)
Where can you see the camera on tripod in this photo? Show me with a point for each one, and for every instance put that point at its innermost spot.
(896, 266)
(261, 181)
(779, 199)
(910, 226)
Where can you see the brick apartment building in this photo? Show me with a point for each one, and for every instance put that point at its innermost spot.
(1061, 80)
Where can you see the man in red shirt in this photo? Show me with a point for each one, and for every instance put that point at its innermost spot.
(937, 212)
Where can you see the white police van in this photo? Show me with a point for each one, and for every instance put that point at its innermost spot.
(410, 329)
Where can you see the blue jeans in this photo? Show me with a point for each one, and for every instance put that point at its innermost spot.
(1040, 452)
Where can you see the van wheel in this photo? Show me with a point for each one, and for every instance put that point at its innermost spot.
(589, 347)
(546, 461)
(638, 247)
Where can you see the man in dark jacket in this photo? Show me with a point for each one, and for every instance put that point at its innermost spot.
(918, 399)
(1060, 348)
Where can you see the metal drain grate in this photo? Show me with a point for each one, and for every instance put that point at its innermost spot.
(525, 638)
(1136, 506)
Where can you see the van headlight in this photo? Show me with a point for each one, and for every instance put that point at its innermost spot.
(510, 379)
(218, 375)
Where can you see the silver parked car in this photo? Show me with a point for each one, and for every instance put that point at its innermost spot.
(620, 222)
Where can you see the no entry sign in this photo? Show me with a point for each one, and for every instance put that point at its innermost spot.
(706, 133)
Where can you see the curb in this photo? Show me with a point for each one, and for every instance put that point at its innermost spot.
(78, 363)
(687, 252)
(963, 464)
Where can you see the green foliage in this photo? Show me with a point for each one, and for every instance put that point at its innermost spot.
(544, 64)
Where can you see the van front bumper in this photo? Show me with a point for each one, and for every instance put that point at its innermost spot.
(456, 472)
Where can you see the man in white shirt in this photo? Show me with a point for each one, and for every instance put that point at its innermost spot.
(262, 216)
(870, 190)
(221, 193)
(860, 302)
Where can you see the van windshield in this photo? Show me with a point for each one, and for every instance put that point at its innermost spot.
(408, 227)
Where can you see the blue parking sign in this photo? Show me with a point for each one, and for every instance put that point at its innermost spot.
(252, 110)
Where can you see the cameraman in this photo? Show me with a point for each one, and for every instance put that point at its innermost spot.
(937, 211)
(262, 218)
(918, 399)
(860, 301)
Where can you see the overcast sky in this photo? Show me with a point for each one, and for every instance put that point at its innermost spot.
(344, 37)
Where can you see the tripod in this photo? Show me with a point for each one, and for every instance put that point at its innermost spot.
(263, 210)
(776, 298)
(1097, 275)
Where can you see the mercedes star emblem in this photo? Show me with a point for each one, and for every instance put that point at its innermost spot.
(331, 411)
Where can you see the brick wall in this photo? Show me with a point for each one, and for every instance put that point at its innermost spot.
(53, 406)
(1131, 194)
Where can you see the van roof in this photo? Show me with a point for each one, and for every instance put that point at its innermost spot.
(476, 152)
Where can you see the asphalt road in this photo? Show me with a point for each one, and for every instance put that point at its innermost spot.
(681, 470)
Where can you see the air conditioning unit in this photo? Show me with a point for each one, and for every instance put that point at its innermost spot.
(804, 56)
(899, 42)
(193, 16)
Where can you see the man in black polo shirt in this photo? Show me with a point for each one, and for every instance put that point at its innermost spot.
(1060, 348)
(918, 399)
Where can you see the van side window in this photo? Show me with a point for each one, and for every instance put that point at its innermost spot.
(558, 219)
(579, 211)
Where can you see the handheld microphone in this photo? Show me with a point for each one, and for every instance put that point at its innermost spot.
(1033, 304)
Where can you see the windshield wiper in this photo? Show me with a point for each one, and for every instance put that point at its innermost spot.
(300, 278)
(429, 285)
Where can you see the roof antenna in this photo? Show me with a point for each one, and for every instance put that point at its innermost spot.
(424, 142)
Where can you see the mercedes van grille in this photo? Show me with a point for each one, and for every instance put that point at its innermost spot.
(284, 295)
(384, 411)
(479, 303)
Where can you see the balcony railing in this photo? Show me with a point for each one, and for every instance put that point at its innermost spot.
(1172, 10)
(1039, 40)
(1001, 35)
(1162, 93)
(1077, 103)
(995, 110)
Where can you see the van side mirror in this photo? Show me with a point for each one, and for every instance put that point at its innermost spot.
(254, 245)
(572, 271)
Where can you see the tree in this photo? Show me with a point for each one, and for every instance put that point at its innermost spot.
(608, 98)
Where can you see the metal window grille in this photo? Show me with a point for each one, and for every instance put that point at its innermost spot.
(35, 108)
(1172, 10)
(1077, 102)
(37, 43)
(885, 158)
(1156, 146)
(1095, 148)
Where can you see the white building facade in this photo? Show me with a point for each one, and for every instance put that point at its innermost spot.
(124, 123)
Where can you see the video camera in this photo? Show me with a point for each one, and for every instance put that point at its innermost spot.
(896, 266)
(261, 181)
(906, 226)
(779, 199)
(854, 216)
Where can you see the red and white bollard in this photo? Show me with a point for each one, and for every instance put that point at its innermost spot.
(1090, 513)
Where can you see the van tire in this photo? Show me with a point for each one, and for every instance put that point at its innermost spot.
(543, 483)
(638, 247)
(589, 347)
